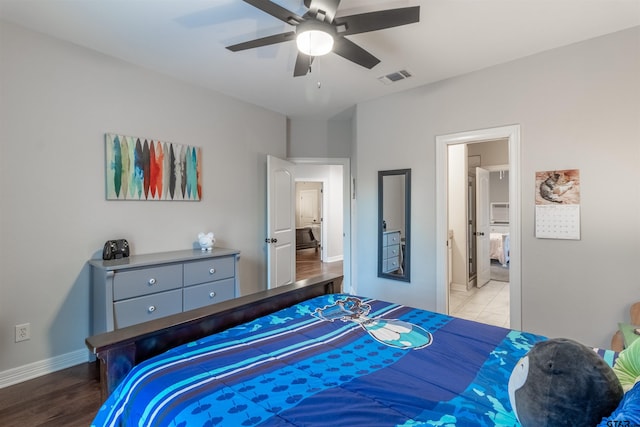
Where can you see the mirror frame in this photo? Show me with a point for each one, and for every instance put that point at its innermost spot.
(406, 277)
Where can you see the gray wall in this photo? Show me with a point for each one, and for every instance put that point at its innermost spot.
(494, 153)
(56, 102)
(319, 138)
(499, 188)
(578, 107)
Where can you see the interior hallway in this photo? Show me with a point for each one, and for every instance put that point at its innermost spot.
(488, 304)
(308, 264)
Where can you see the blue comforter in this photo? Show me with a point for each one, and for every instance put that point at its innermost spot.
(333, 360)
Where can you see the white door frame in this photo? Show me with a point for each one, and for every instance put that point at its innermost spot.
(346, 206)
(512, 133)
(482, 237)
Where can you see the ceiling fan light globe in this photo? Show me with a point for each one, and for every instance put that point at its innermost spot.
(314, 42)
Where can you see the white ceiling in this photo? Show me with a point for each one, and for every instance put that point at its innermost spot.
(186, 39)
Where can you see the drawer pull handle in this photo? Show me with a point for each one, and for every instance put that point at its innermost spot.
(212, 294)
(152, 281)
(212, 271)
(151, 308)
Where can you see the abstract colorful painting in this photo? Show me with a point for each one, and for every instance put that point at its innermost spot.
(144, 169)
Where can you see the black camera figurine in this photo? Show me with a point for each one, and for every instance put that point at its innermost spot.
(115, 249)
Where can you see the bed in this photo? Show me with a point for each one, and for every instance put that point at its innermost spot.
(364, 362)
(499, 244)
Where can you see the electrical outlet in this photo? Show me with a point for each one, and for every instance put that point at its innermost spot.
(23, 332)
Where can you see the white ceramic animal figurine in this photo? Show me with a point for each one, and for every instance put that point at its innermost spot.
(206, 241)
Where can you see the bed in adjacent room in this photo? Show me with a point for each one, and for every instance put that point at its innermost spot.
(499, 244)
(359, 361)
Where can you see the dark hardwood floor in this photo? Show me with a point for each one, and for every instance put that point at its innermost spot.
(71, 397)
(308, 264)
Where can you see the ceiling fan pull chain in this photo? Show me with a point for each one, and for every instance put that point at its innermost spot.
(318, 83)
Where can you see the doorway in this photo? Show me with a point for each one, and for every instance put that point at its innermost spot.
(474, 292)
(330, 181)
(309, 218)
(309, 215)
(443, 177)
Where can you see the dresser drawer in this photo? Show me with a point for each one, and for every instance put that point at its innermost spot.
(393, 238)
(142, 309)
(134, 283)
(391, 251)
(390, 264)
(208, 293)
(209, 270)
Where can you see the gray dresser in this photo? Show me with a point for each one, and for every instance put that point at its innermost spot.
(391, 256)
(145, 287)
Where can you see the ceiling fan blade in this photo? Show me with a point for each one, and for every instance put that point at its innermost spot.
(354, 53)
(373, 21)
(276, 11)
(303, 62)
(264, 41)
(327, 7)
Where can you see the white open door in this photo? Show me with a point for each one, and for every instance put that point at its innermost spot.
(483, 229)
(281, 242)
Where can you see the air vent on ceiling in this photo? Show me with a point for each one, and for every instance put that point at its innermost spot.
(395, 77)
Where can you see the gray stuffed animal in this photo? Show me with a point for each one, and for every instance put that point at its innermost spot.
(561, 382)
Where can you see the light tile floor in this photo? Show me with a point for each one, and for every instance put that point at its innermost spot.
(488, 304)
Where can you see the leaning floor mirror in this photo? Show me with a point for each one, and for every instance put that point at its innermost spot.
(394, 224)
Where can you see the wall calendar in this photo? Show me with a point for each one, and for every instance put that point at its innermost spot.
(558, 204)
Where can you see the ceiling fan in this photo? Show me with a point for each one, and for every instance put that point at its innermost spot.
(319, 32)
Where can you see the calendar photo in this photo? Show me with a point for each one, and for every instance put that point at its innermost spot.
(558, 204)
(558, 187)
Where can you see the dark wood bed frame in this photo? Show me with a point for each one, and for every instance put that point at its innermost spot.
(120, 350)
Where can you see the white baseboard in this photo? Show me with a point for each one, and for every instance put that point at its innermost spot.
(458, 287)
(334, 258)
(42, 367)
